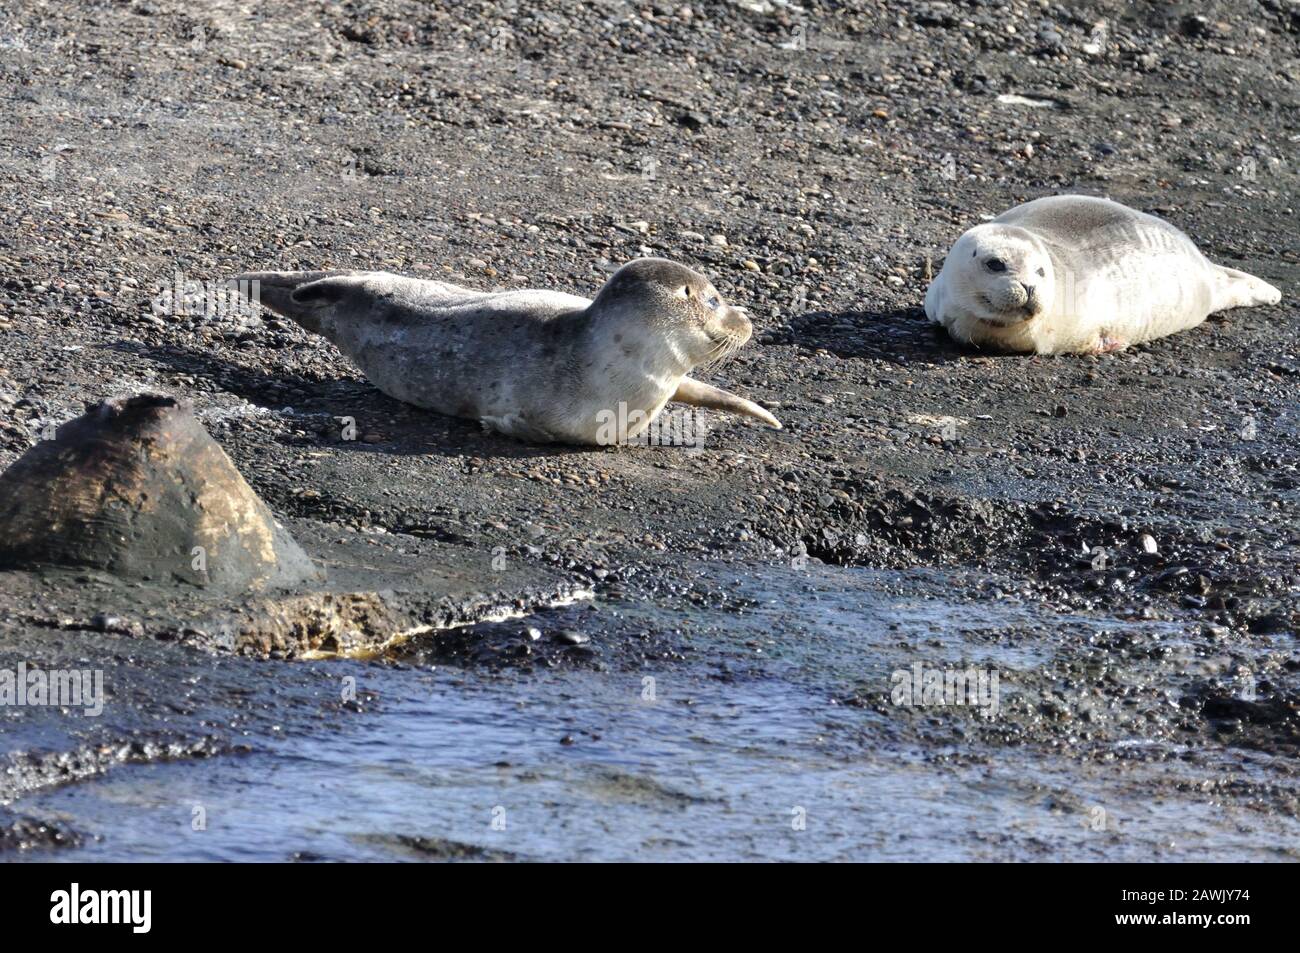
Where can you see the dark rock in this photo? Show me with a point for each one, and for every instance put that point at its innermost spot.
(138, 489)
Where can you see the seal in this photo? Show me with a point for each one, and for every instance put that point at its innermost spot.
(542, 366)
(1076, 274)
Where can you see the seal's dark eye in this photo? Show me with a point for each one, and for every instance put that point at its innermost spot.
(714, 303)
(995, 264)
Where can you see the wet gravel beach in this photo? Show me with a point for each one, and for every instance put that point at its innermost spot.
(1115, 536)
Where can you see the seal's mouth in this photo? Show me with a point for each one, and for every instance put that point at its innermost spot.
(724, 345)
(720, 335)
(1010, 319)
(1014, 319)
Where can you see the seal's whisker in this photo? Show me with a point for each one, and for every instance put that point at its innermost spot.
(716, 353)
(724, 351)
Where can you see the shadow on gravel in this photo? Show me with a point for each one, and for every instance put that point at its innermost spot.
(384, 425)
(900, 336)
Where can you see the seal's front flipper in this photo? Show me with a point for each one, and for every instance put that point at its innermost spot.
(702, 395)
(1237, 289)
(1106, 343)
(298, 295)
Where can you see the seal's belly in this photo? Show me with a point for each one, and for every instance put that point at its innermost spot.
(1143, 294)
(446, 372)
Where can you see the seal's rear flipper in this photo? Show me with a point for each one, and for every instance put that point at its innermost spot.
(293, 293)
(702, 395)
(1237, 289)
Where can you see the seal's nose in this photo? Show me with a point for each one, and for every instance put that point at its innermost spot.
(1032, 304)
(735, 322)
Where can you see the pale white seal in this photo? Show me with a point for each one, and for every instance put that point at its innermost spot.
(536, 365)
(1076, 274)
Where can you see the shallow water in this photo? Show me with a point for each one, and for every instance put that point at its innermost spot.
(741, 753)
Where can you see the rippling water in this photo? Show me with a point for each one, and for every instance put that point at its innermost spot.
(740, 754)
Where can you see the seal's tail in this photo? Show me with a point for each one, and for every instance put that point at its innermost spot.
(280, 292)
(1237, 289)
(702, 395)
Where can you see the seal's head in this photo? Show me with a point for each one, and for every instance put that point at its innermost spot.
(679, 306)
(1003, 275)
